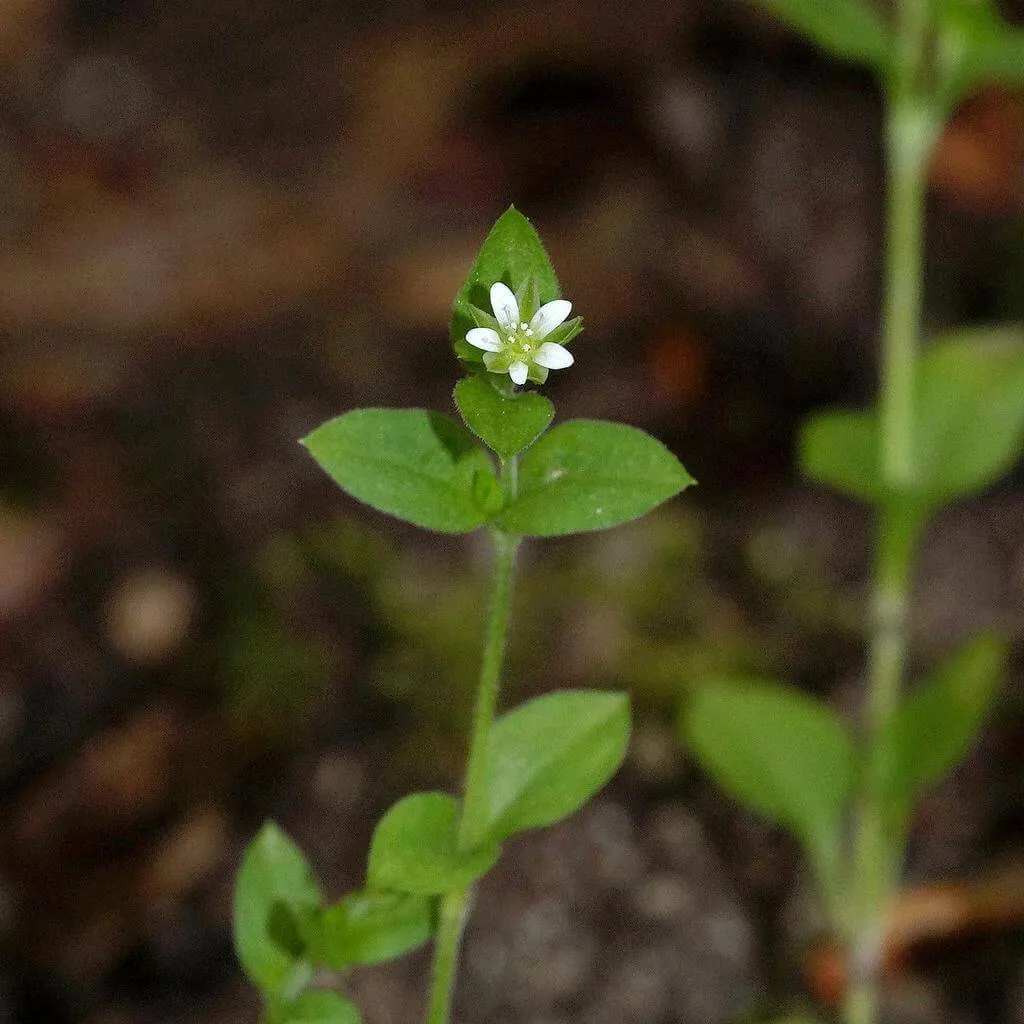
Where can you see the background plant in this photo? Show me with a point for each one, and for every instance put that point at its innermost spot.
(948, 423)
(527, 768)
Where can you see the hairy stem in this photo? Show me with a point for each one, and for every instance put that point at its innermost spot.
(451, 919)
(455, 905)
(474, 794)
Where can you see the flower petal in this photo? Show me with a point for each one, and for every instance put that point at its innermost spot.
(554, 357)
(518, 372)
(549, 316)
(504, 304)
(485, 338)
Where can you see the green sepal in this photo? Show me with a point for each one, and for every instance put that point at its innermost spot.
(528, 297)
(564, 333)
(481, 318)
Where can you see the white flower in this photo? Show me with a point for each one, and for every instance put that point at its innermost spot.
(518, 348)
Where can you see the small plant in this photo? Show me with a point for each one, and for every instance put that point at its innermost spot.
(949, 423)
(531, 766)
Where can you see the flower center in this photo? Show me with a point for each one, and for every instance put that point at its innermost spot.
(519, 339)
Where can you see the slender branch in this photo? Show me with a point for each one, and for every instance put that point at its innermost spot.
(451, 920)
(474, 795)
(454, 907)
(913, 120)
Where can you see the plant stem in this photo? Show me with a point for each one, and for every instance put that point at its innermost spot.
(912, 124)
(451, 919)
(455, 905)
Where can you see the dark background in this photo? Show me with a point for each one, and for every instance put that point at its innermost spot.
(224, 222)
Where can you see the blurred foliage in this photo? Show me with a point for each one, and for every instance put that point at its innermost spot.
(649, 608)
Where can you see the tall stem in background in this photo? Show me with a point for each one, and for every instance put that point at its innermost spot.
(911, 126)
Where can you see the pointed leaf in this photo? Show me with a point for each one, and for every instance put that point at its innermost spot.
(851, 29)
(506, 424)
(936, 725)
(513, 254)
(318, 1006)
(416, 465)
(415, 848)
(371, 927)
(550, 755)
(776, 750)
(276, 895)
(590, 475)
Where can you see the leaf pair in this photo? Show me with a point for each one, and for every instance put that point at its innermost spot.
(792, 759)
(974, 44)
(968, 426)
(424, 468)
(546, 759)
(282, 931)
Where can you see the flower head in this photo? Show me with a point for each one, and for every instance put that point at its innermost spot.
(517, 347)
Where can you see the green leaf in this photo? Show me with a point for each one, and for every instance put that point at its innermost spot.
(276, 896)
(970, 412)
(317, 1006)
(415, 848)
(996, 58)
(512, 253)
(550, 755)
(416, 465)
(968, 425)
(506, 424)
(590, 475)
(840, 449)
(935, 726)
(851, 29)
(781, 753)
(977, 47)
(371, 927)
